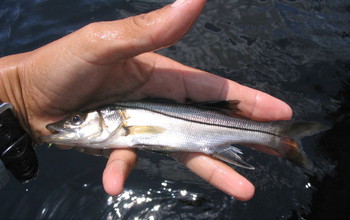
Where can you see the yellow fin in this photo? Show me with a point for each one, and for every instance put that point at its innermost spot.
(145, 130)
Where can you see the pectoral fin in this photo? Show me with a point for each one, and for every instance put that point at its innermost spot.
(230, 155)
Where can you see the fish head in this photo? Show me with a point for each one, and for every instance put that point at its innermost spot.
(78, 129)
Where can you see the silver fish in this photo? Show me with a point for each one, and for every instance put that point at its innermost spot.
(211, 128)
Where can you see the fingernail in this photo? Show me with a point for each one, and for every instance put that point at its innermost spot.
(178, 3)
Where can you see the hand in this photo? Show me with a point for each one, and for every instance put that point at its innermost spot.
(109, 61)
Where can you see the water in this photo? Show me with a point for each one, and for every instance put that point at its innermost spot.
(295, 50)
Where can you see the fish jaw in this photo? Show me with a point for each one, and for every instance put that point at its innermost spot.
(61, 138)
(55, 128)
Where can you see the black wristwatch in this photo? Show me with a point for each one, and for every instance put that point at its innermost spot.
(16, 150)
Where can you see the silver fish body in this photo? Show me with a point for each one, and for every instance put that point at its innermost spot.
(171, 127)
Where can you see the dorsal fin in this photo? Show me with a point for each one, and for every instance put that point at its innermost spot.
(228, 107)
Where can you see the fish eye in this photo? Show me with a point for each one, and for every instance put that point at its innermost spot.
(77, 119)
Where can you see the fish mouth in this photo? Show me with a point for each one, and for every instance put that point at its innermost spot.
(60, 136)
(54, 128)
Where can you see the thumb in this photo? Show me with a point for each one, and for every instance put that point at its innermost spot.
(106, 42)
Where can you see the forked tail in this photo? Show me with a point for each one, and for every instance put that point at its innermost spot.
(290, 146)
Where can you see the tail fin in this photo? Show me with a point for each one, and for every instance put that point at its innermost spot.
(291, 134)
(292, 150)
(300, 129)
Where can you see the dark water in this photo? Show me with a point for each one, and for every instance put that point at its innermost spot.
(295, 50)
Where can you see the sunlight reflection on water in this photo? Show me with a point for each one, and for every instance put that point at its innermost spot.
(165, 200)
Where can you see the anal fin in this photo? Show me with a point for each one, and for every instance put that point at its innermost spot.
(231, 155)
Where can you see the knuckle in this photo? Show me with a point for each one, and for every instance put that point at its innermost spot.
(144, 25)
(210, 178)
(91, 31)
(96, 32)
(141, 21)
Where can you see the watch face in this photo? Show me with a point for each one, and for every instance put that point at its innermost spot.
(16, 151)
(10, 130)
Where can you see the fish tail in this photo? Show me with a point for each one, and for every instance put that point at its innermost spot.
(290, 146)
(292, 150)
(287, 145)
(300, 129)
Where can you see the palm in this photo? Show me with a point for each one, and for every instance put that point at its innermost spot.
(84, 85)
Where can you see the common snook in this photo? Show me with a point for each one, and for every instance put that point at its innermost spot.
(211, 128)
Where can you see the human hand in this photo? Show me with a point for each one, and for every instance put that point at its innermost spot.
(109, 61)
